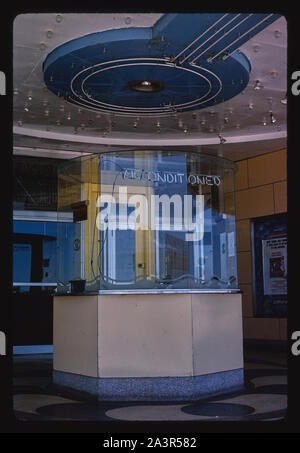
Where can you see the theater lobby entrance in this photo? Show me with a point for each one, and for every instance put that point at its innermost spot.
(150, 217)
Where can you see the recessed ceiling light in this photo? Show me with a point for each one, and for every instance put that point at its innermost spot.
(146, 86)
(258, 85)
(284, 100)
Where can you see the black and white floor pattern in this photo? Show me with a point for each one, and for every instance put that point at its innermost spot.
(264, 397)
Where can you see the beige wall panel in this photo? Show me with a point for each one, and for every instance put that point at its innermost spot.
(241, 175)
(75, 334)
(280, 197)
(217, 332)
(244, 267)
(261, 328)
(247, 301)
(255, 202)
(267, 168)
(243, 241)
(145, 335)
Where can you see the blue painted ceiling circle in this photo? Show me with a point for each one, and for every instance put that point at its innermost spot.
(96, 71)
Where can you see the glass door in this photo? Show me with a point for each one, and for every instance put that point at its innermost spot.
(34, 281)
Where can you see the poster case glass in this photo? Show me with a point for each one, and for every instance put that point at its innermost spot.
(270, 266)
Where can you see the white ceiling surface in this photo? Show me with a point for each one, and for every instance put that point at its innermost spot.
(35, 35)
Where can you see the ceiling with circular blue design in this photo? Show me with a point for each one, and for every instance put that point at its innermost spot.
(88, 82)
(193, 58)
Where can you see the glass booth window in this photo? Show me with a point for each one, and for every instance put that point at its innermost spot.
(147, 220)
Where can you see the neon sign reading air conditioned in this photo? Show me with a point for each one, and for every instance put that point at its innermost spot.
(170, 177)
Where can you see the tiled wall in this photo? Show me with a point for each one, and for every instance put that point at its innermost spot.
(260, 185)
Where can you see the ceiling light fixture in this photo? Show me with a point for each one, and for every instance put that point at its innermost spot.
(284, 100)
(146, 86)
(258, 85)
(272, 118)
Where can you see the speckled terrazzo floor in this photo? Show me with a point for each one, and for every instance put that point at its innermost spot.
(264, 397)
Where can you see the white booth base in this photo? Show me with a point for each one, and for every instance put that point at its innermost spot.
(149, 347)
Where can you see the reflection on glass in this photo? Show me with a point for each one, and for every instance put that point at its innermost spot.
(34, 252)
(154, 220)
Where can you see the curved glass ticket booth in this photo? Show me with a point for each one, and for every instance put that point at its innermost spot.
(147, 276)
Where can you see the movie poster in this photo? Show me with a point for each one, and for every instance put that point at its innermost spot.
(275, 265)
